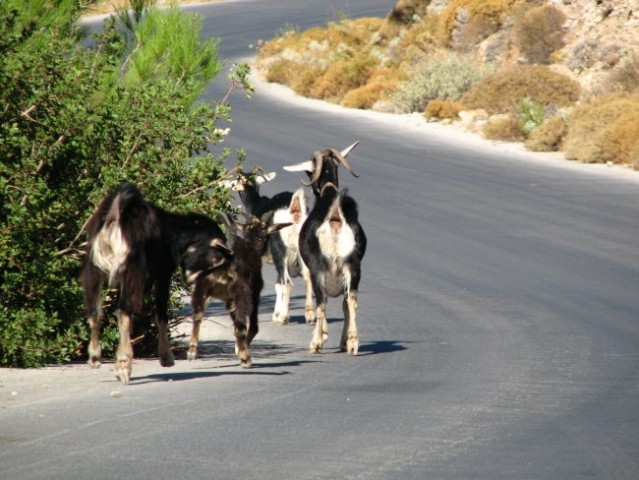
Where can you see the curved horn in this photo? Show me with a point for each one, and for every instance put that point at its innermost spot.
(265, 177)
(349, 149)
(342, 159)
(317, 169)
(305, 166)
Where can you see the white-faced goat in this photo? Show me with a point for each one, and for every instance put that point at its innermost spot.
(242, 289)
(332, 245)
(136, 245)
(283, 207)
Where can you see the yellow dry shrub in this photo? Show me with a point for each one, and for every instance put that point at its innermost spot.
(343, 76)
(282, 71)
(619, 142)
(492, 11)
(382, 82)
(502, 127)
(504, 90)
(442, 109)
(607, 129)
(548, 136)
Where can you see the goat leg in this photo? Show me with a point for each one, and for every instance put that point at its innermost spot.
(164, 350)
(281, 315)
(241, 344)
(309, 307)
(92, 280)
(320, 334)
(350, 341)
(124, 353)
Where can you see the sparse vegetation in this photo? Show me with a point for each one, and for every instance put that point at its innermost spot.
(508, 57)
(443, 75)
(539, 33)
(606, 129)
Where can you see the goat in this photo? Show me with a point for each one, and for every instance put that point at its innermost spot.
(332, 244)
(243, 286)
(283, 207)
(137, 245)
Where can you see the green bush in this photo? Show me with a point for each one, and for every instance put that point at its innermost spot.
(75, 122)
(443, 76)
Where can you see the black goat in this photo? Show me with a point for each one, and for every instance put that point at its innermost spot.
(242, 286)
(137, 245)
(332, 245)
(283, 207)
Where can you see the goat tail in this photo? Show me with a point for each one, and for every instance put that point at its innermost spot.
(136, 217)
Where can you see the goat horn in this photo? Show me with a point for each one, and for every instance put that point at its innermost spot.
(342, 159)
(317, 169)
(349, 149)
(305, 166)
(265, 177)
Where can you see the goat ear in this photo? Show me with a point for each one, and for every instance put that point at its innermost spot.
(219, 244)
(267, 177)
(306, 166)
(277, 226)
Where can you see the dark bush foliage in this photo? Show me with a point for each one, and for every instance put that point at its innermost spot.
(74, 122)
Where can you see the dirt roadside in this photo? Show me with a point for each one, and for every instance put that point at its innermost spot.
(26, 387)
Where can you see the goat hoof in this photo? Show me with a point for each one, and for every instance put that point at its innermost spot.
(123, 369)
(191, 355)
(352, 346)
(310, 318)
(315, 347)
(167, 360)
(280, 319)
(245, 362)
(94, 362)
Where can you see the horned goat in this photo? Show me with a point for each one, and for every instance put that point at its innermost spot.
(332, 245)
(133, 244)
(283, 207)
(241, 291)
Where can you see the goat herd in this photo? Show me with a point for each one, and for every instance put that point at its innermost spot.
(134, 245)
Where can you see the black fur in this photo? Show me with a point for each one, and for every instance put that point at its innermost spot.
(158, 242)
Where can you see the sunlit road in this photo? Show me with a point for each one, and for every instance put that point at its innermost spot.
(498, 315)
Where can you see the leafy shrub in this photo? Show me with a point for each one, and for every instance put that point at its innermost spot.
(504, 90)
(530, 115)
(607, 129)
(539, 32)
(444, 76)
(443, 109)
(72, 126)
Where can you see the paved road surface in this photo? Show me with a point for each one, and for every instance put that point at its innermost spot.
(499, 323)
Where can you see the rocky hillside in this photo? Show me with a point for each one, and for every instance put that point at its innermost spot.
(555, 74)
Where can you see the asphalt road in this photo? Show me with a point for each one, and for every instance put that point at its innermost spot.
(499, 322)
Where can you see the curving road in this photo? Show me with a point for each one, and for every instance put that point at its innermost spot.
(499, 313)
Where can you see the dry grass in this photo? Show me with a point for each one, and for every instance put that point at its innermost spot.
(605, 130)
(504, 90)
